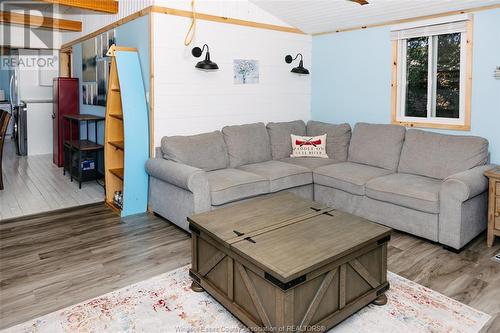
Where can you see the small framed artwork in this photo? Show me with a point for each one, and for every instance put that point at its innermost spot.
(246, 71)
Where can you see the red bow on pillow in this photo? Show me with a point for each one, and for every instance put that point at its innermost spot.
(307, 143)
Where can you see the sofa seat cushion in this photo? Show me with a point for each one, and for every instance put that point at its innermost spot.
(281, 175)
(411, 191)
(347, 176)
(229, 185)
(309, 162)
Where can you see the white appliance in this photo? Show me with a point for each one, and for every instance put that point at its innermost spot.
(31, 107)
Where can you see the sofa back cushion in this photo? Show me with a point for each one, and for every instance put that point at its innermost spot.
(206, 151)
(337, 138)
(439, 155)
(279, 135)
(377, 145)
(247, 144)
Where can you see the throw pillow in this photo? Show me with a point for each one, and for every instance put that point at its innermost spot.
(309, 146)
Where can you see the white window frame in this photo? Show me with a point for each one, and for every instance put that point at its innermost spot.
(399, 83)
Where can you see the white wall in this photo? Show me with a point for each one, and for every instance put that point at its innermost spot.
(189, 101)
(20, 37)
(92, 21)
(241, 9)
(29, 78)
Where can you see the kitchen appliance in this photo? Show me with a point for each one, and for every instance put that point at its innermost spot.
(18, 111)
(66, 101)
(31, 103)
(21, 129)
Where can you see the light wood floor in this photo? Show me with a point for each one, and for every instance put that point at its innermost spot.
(58, 259)
(33, 184)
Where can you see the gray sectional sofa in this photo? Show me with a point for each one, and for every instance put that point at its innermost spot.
(427, 184)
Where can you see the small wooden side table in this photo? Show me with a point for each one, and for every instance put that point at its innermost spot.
(494, 205)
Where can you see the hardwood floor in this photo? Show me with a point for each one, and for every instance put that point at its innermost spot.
(470, 277)
(57, 259)
(34, 184)
(54, 260)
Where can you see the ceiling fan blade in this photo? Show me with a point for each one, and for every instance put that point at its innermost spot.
(361, 2)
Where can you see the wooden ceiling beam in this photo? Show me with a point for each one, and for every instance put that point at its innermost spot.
(35, 21)
(103, 6)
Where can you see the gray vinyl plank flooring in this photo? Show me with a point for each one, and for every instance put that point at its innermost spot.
(56, 259)
(33, 184)
(53, 260)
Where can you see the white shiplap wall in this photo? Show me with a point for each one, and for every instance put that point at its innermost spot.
(21, 37)
(92, 21)
(189, 101)
(241, 9)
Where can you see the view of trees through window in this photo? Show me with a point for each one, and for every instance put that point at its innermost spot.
(448, 76)
(417, 66)
(445, 95)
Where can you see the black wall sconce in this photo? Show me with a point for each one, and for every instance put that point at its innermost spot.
(207, 64)
(300, 69)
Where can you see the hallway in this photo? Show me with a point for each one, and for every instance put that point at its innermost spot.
(33, 184)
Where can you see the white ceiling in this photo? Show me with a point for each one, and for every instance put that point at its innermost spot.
(316, 16)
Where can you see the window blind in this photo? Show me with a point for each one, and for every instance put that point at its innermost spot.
(430, 28)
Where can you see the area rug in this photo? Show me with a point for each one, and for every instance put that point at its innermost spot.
(166, 304)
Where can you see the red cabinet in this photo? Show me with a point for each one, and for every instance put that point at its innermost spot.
(66, 101)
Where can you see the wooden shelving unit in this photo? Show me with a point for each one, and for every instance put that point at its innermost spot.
(114, 153)
(126, 113)
(117, 172)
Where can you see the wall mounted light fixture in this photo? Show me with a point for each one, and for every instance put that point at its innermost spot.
(207, 64)
(299, 69)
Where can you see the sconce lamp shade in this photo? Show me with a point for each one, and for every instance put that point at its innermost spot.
(300, 69)
(207, 64)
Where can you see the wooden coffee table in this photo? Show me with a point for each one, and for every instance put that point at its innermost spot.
(285, 263)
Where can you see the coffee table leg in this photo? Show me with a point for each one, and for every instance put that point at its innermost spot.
(381, 300)
(196, 287)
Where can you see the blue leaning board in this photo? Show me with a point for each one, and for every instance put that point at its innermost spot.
(136, 132)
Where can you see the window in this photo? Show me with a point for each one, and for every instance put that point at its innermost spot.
(430, 73)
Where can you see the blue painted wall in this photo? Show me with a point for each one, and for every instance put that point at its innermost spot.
(351, 79)
(132, 34)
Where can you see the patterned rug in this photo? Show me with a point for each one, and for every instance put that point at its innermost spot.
(166, 304)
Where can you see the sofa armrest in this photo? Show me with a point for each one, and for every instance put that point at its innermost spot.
(178, 174)
(465, 185)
